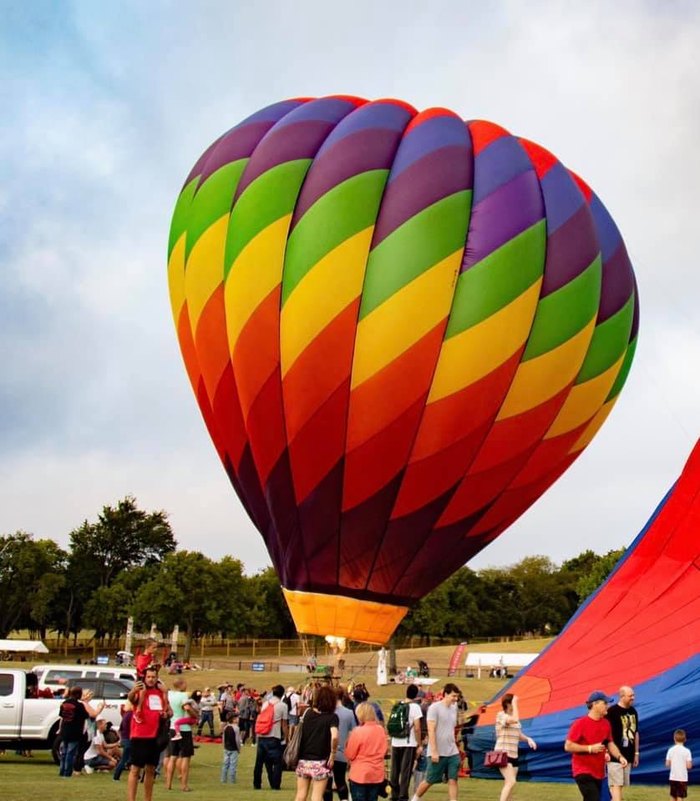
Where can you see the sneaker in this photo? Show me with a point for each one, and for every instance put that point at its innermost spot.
(176, 737)
(88, 769)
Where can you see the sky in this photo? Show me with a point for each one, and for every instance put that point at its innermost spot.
(106, 106)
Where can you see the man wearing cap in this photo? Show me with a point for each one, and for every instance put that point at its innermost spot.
(587, 741)
(624, 724)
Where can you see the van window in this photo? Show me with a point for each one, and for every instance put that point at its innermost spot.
(113, 689)
(129, 676)
(92, 674)
(7, 683)
(61, 676)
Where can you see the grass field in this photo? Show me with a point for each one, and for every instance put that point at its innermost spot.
(32, 779)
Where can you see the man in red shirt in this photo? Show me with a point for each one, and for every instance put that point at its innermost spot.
(588, 740)
(150, 706)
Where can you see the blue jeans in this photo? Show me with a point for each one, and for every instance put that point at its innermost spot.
(124, 761)
(206, 716)
(229, 766)
(68, 750)
(364, 792)
(269, 753)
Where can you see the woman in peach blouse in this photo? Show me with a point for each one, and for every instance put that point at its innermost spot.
(365, 750)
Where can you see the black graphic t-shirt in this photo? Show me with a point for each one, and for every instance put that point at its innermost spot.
(625, 725)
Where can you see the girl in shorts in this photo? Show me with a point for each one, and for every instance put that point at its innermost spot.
(319, 743)
(509, 733)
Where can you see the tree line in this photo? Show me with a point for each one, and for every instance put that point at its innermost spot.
(126, 563)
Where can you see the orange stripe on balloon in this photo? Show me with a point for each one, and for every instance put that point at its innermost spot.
(454, 417)
(256, 353)
(187, 348)
(211, 342)
(380, 400)
(371, 466)
(229, 417)
(513, 435)
(319, 370)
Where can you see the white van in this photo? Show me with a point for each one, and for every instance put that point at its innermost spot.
(57, 676)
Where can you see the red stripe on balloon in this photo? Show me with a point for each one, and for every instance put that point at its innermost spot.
(211, 341)
(483, 133)
(542, 160)
(265, 426)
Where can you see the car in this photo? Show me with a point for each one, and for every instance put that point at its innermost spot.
(56, 677)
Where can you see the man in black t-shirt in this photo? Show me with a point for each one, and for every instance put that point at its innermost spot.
(624, 722)
(73, 716)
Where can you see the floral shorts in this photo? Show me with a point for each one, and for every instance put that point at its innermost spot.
(313, 769)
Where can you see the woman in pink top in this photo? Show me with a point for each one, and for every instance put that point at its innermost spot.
(365, 750)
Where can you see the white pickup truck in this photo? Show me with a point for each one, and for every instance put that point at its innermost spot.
(32, 723)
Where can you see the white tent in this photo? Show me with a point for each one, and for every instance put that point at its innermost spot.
(23, 646)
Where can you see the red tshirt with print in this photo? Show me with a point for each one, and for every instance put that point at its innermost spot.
(148, 711)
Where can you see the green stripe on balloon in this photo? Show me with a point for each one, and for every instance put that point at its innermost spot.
(624, 371)
(414, 247)
(564, 313)
(498, 279)
(268, 198)
(180, 220)
(212, 201)
(609, 342)
(342, 212)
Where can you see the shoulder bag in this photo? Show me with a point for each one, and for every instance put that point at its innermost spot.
(496, 759)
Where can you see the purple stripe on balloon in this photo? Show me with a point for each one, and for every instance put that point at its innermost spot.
(618, 283)
(365, 150)
(439, 174)
(608, 233)
(562, 197)
(372, 115)
(330, 109)
(501, 216)
(498, 164)
(238, 144)
(300, 140)
(202, 160)
(274, 112)
(570, 250)
(433, 134)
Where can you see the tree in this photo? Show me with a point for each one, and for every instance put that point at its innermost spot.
(123, 537)
(182, 592)
(598, 573)
(23, 563)
(269, 614)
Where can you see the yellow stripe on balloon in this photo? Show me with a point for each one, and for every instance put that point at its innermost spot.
(539, 379)
(176, 277)
(407, 316)
(255, 272)
(584, 401)
(476, 352)
(593, 427)
(326, 289)
(205, 268)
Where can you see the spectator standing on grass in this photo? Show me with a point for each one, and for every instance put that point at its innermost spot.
(246, 709)
(405, 749)
(365, 750)
(624, 724)
(152, 702)
(275, 713)
(346, 723)
(207, 705)
(680, 761)
(318, 745)
(180, 750)
(442, 746)
(73, 716)
(587, 741)
(509, 734)
(125, 739)
(231, 742)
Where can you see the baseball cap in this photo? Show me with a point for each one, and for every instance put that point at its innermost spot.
(597, 695)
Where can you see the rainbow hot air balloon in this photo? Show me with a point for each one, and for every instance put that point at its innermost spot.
(400, 328)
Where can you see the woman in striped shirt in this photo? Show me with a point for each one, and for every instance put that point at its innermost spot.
(509, 733)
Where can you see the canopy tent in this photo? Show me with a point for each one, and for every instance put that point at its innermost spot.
(641, 628)
(23, 647)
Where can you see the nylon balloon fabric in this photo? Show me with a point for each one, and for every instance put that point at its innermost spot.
(400, 328)
(642, 629)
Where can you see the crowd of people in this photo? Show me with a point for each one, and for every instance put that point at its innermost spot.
(341, 739)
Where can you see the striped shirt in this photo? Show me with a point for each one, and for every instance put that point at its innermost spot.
(507, 735)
